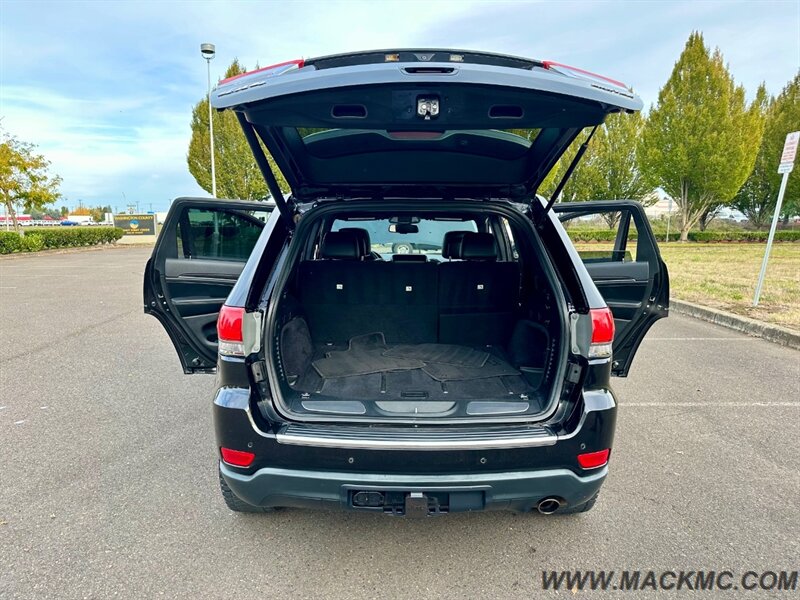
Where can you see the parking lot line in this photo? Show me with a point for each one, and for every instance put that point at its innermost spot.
(711, 404)
(693, 339)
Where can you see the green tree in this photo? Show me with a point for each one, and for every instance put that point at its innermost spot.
(549, 183)
(548, 186)
(701, 138)
(25, 180)
(757, 197)
(609, 169)
(98, 213)
(238, 175)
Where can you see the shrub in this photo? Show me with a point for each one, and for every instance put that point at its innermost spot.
(39, 238)
(592, 235)
(65, 237)
(788, 235)
(31, 242)
(9, 242)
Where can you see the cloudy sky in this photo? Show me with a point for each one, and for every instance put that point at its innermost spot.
(105, 89)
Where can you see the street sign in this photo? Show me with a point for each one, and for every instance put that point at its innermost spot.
(789, 152)
(785, 167)
(137, 225)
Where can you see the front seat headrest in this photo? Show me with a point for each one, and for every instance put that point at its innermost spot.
(452, 243)
(363, 237)
(341, 245)
(477, 246)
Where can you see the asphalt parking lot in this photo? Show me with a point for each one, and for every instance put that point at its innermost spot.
(108, 481)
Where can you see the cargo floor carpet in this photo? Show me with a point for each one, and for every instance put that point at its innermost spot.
(448, 354)
(369, 355)
(493, 367)
(364, 356)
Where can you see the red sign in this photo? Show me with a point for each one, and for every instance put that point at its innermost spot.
(790, 147)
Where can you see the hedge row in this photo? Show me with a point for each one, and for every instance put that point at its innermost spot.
(42, 238)
(609, 235)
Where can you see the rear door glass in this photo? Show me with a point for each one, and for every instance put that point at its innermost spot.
(219, 234)
(603, 237)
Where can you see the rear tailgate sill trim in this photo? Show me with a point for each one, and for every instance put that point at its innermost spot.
(341, 437)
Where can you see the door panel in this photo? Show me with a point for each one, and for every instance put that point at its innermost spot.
(202, 250)
(626, 268)
(182, 268)
(623, 285)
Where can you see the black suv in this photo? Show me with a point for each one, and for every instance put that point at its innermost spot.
(411, 329)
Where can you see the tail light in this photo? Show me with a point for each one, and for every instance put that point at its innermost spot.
(602, 333)
(593, 460)
(229, 331)
(237, 458)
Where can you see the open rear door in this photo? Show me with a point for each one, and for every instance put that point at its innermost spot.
(197, 259)
(625, 265)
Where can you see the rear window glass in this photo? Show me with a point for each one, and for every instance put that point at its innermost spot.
(524, 137)
(417, 236)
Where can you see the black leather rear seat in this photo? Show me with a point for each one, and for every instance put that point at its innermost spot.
(478, 296)
(471, 301)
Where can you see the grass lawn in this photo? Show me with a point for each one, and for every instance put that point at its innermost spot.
(724, 276)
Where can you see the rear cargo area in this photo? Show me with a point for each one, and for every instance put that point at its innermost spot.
(410, 336)
(370, 369)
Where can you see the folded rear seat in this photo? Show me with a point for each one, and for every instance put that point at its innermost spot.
(478, 296)
(344, 296)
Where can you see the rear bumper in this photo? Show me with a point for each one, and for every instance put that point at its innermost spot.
(520, 490)
(496, 474)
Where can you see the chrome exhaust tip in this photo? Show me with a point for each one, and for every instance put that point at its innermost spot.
(548, 506)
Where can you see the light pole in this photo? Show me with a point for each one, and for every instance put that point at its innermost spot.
(209, 51)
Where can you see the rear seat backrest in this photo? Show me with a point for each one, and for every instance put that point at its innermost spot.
(343, 297)
(477, 295)
(471, 301)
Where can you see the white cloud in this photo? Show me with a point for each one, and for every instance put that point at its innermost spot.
(106, 89)
(98, 154)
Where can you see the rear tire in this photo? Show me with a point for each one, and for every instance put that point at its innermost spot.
(235, 503)
(579, 508)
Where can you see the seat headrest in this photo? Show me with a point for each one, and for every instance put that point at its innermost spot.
(363, 236)
(477, 246)
(452, 243)
(341, 245)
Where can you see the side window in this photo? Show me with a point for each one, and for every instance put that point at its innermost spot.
(608, 236)
(219, 234)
